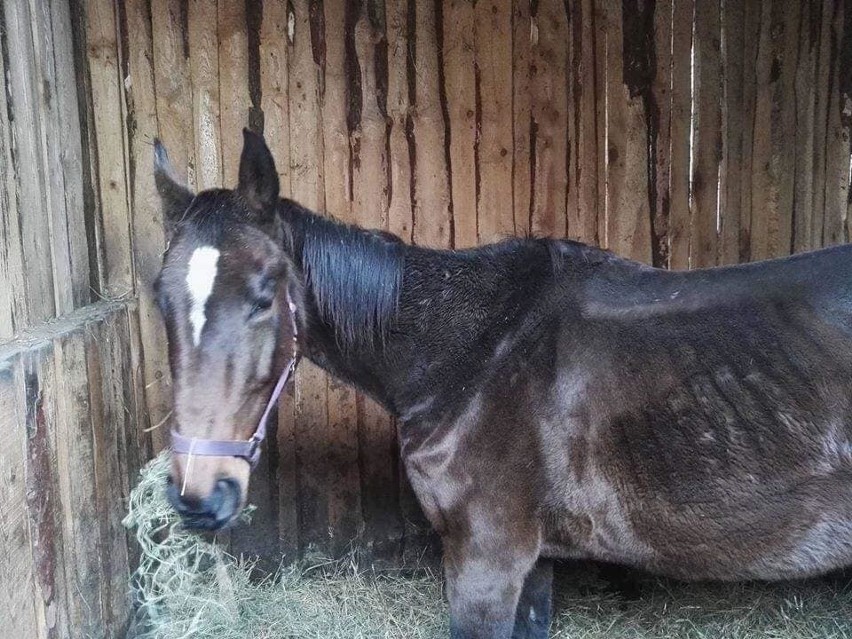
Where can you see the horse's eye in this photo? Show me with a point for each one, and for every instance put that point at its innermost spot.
(260, 306)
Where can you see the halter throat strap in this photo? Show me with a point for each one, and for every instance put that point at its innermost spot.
(248, 449)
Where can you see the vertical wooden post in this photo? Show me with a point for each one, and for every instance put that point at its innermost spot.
(37, 376)
(707, 133)
(148, 240)
(734, 127)
(62, 152)
(21, 611)
(274, 81)
(28, 165)
(13, 293)
(493, 82)
(432, 220)
(659, 131)
(837, 144)
(204, 66)
(400, 131)
(114, 239)
(628, 209)
(549, 109)
(172, 85)
(76, 472)
(585, 132)
(306, 171)
(679, 160)
(234, 101)
(460, 88)
(774, 132)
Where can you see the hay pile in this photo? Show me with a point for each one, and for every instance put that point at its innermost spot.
(187, 587)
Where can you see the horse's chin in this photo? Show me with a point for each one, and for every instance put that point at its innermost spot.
(207, 524)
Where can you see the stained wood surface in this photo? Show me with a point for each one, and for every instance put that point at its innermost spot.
(679, 133)
(71, 446)
(113, 220)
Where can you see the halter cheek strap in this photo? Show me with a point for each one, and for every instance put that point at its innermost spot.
(245, 449)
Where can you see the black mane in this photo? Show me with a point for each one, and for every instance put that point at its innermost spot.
(355, 274)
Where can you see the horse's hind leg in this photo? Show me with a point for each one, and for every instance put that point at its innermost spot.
(532, 620)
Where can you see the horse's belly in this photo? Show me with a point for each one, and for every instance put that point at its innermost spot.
(804, 530)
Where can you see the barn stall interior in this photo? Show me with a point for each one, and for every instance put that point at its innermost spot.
(679, 133)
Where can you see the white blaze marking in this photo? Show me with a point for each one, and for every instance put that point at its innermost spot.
(200, 278)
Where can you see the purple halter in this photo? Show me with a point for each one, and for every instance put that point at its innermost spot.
(245, 449)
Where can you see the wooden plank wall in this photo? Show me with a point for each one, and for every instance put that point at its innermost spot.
(676, 132)
(72, 399)
(72, 435)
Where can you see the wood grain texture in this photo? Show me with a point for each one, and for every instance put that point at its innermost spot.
(108, 481)
(752, 26)
(234, 100)
(274, 84)
(601, 42)
(21, 614)
(37, 375)
(62, 153)
(706, 134)
(628, 210)
(203, 44)
(680, 128)
(400, 123)
(49, 129)
(76, 472)
(57, 508)
(172, 84)
(306, 171)
(774, 132)
(659, 106)
(274, 81)
(148, 236)
(375, 439)
(585, 133)
(837, 137)
(458, 53)
(29, 169)
(495, 217)
(733, 122)
(549, 113)
(431, 199)
(451, 123)
(13, 292)
(114, 220)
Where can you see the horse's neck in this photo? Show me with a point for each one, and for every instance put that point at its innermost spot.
(454, 312)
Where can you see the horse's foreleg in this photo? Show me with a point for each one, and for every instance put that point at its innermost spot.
(483, 587)
(532, 620)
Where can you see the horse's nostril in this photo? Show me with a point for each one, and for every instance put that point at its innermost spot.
(228, 494)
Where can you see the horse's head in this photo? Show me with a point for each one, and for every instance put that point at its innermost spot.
(227, 292)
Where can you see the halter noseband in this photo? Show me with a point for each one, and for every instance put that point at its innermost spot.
(245, 449)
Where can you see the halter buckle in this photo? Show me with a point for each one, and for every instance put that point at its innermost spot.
(253, 454)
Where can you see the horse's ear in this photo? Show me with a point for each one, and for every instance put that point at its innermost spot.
(175, 197)
(258, 177)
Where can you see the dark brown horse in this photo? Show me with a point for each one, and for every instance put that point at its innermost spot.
(554, 400)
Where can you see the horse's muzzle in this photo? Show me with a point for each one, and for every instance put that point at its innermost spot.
(208, 513)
